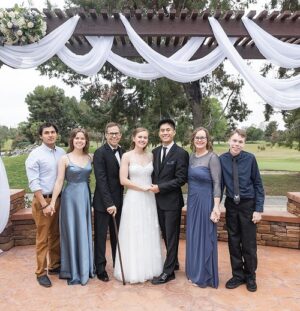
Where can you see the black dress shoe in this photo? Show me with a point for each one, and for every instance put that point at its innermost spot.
(54, 271)
(251, 285)
(234, 282)
(163, 278)
(103, 276)
(176, 267)
(44, 281)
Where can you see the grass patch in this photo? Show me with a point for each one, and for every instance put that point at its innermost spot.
(281, 184)
(272, 158)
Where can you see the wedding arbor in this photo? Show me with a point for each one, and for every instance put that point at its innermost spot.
(182, 47)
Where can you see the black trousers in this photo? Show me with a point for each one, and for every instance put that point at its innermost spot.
(241, 238)
(169, 222)
(103, 221)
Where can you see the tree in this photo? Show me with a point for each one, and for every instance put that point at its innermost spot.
(254, 134)
(51, 104)
(292, 123)
(271, 131)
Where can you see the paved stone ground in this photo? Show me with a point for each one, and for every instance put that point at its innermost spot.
(277, 276)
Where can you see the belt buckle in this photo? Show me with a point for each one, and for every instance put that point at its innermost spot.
(236, 199)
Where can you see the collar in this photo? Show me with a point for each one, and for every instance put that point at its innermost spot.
(169, 146)
(45, 147)
(112, 148)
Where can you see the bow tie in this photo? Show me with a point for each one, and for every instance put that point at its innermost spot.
(116, 150)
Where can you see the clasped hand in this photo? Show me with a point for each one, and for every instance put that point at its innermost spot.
(215, 215)
(49, 210)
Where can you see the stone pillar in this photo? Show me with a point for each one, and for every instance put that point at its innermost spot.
(293, 204)
(17, 202)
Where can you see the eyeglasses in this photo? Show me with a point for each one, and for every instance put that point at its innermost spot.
(114, 134)
(200, 138)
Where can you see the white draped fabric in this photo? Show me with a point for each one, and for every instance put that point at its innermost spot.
(283, 54)
(4, 197)
(280, 93)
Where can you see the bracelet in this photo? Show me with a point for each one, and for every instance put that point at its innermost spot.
(44, 207)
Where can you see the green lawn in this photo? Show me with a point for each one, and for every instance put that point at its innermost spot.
(272, 159)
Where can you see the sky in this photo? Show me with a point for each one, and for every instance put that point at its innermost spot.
(16, 84)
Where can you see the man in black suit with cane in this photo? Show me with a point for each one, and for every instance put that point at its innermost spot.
(169, 175)
(108, 196)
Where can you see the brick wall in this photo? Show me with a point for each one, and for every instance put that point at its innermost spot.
(17, 203)
(281, 229)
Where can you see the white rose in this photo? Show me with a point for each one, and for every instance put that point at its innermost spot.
(19, 33)
(1, 15)
(11, 14)
(9, 25)
(20, 22)
(30, 25)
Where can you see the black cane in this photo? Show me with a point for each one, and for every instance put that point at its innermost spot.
(119, 250)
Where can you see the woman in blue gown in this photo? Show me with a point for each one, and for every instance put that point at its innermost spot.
(203, 212)
(75, 211)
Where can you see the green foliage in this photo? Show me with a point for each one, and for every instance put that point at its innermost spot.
(51, 104)
(254, 134)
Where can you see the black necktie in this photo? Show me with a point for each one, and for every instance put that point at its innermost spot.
(164, 154)
(236, 185)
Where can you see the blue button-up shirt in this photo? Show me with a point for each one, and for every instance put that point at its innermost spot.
(41, 168)
(250, 182)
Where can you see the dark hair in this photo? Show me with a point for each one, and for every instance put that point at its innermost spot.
(73, 134)
(45, 125)
(111, 124)
(209, 145)
(240, 132)
(168, 121)
(134, 133)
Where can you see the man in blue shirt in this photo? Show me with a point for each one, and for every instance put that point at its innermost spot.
(244, 204)
(41, 169)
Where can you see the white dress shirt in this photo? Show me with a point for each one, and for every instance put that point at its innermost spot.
(168, 149)
(41, 168)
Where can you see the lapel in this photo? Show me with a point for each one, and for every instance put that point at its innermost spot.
(157, 159)
(111, 154)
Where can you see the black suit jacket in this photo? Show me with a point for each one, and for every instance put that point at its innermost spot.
(170, 176)
(108, 189)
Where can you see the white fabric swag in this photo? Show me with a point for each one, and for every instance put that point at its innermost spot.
(4, 197)
(280, 93)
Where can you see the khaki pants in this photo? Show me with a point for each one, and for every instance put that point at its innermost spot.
(47, 238)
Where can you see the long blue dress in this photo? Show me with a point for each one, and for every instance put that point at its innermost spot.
(76, 227)
(201, 232)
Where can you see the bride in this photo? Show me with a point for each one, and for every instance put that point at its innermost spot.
(139, 234)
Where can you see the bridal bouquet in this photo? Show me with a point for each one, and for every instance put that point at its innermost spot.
(21, 26)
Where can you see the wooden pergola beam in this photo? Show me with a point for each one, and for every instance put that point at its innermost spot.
(166, 33)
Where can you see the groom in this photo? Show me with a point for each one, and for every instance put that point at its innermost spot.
(108, 196)
(169, 175)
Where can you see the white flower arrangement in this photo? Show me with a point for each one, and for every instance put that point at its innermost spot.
(21, 26)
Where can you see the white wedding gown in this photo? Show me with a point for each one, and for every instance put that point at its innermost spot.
(139, 233)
